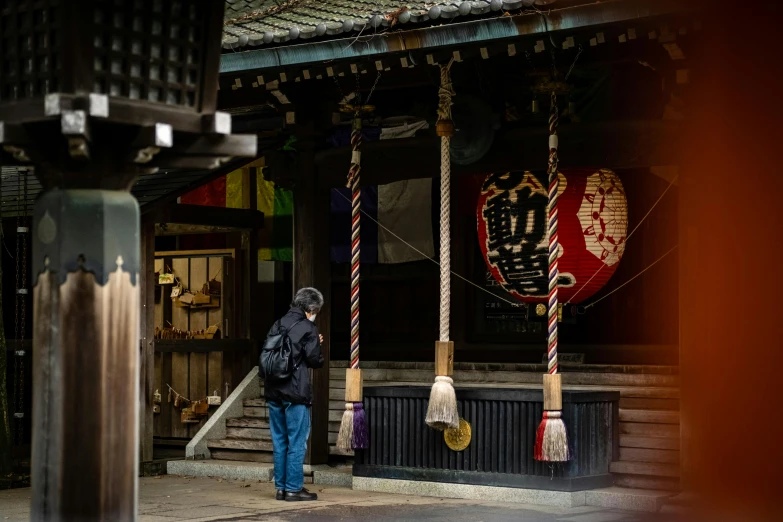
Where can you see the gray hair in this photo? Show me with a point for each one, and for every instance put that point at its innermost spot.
(308, 300)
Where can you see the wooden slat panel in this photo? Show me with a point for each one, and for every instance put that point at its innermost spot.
(650, 430)
(242, 456)
(179, 315)
(166, 414)
(571, 378)
(159, 386)
(645, 468)
(214, 316)
(162, 290)
(650, 416)
(215, 374)
(647, 482)
(198, 385)
(625, 391)
(637, 441)
(181, 383)
(649, 455)
(198, 276)
(633, 403)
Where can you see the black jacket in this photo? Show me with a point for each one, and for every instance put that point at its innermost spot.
(306, 353)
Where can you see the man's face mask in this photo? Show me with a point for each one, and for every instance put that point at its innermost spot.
(312, 318)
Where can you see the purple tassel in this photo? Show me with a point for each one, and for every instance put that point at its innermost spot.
(361, 438)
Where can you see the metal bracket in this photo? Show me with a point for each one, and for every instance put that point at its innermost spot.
(19, 415)
(20, 353)
(21, 291)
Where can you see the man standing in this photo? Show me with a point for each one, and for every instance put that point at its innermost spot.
(289, 399)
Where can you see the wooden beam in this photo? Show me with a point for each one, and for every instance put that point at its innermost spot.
(614, 145)
(147, 336)
(312, 268)
(211, 216)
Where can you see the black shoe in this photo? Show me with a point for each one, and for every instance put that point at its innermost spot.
(301, 495)
(280, 495)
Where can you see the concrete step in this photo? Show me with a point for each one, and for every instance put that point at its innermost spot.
(221, 468)
(649, 455)
(247, 422)
(639, 441)
(340, 477)
(249, 433)
(645, 468)
(240, 444)
(255, 403)
(649, 416)
(640, 500)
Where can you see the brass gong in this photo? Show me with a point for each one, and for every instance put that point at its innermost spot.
(457, 439)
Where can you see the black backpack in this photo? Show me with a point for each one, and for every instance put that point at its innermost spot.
(276, 361)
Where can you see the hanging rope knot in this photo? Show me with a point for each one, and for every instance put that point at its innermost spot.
(356, 153)
(445, 126)
(443, 378)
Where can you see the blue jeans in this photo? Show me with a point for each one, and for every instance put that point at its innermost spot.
(290, 427)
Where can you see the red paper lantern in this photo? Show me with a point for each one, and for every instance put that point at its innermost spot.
(512, 231)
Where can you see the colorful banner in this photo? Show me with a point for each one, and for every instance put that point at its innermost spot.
(277, 204)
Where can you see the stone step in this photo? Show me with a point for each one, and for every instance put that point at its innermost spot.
(649, 416)
(638, 441)
(647, 482)
(256, 412)
(649, 430)
(247, 422)
(240, 444)
(640, 500)
(649, 455)
(249, 433)
(226, 469)
(645, 468)
(255, 403)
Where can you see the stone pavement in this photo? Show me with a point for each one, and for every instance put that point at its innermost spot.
(197, 499)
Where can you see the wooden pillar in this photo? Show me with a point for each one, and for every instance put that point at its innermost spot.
(86, 355)
(312, 268)
(147, 344)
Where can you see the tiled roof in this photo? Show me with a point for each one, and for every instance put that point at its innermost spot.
(264, 22)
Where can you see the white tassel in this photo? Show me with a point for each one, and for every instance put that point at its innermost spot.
(345, 436)
(554, 440)
(442, 410)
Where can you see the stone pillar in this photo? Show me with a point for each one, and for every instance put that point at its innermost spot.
(85, 355)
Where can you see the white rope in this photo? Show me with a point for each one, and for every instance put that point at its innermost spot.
(445, 238)
(445, 92)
